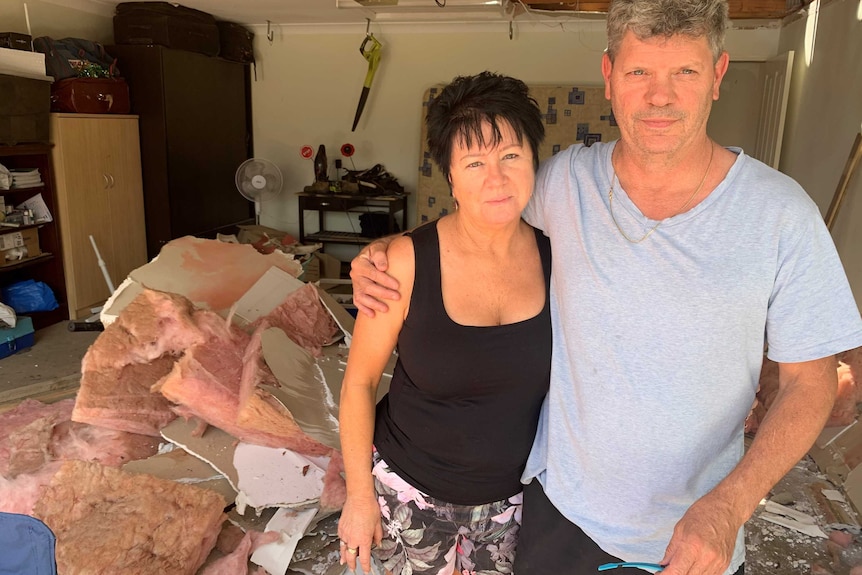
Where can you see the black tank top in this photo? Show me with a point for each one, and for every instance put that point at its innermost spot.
(462, 409)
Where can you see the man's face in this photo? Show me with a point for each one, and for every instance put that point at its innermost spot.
(661, 90)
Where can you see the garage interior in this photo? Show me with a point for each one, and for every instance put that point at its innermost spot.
(171, 167)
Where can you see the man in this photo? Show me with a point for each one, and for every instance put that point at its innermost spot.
(675, 262)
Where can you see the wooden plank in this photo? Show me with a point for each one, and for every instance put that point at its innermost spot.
(44, 391)
(739, 9)
(849, 169)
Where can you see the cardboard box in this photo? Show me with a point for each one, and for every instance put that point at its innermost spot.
(838, 454)
(11, 245)
(320, 266)
(15, 339)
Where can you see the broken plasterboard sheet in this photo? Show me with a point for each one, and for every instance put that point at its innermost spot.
(251, 521)
(305, 392)
(806, 528)
(833, 495)
(265, 295)
(272, 477)
(180, 466)
(212, 274)
(122, 296)
(291, 524)
(333, 362)
(778, 509)
(214, 447)
(344, 320)
(218, 449)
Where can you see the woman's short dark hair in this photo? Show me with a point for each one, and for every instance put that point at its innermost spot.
(460, 110)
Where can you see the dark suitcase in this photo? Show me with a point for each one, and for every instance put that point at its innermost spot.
(166, 24)
(90, 96)
(15, 41)
(236, 42)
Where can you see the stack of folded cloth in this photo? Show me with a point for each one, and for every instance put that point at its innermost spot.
(26, 178)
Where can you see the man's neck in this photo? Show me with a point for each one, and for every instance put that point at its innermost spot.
(659, 183)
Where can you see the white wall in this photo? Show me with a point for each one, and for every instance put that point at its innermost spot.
(824, 116)
(58, 19)
(310, 78)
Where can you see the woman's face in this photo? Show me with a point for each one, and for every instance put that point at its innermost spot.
(492, 184)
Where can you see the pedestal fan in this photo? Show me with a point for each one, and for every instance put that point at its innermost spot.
(258, 180)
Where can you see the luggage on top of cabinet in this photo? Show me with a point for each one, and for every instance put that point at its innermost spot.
(166, 24)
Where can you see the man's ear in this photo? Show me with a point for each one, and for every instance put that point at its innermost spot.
(607, 67)
(720, 70)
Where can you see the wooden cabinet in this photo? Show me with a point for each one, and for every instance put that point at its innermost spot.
(47, 267)
(97, 166)
(195, 114)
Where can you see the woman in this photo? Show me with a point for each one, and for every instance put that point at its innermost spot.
(433, 473)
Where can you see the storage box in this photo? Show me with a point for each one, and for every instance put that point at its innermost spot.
(838, 454)
(16, 246)
(18, 338)
(16, 41)
(24, 109)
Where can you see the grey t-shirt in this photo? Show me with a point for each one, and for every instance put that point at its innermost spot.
(658, 345)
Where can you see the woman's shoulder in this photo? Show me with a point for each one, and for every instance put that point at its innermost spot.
(402, 258)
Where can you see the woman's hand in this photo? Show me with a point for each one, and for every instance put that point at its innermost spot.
(359, 528)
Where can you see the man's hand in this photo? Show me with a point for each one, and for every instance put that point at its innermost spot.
(371, 283)
(703, 540)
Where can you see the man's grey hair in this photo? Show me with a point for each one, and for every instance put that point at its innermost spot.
(652, 18)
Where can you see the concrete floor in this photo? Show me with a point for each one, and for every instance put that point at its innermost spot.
(50, 370)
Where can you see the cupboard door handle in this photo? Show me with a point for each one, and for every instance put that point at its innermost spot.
(111, 176)
(107, 182)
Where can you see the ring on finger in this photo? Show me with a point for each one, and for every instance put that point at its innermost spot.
(352, 550)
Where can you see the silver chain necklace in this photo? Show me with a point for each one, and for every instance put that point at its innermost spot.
(660, 222)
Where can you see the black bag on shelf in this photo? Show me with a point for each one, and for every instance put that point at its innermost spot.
(166, 24)
(235, 42)
(375, 225)
(71, 57)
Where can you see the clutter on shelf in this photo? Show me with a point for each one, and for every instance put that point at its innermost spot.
(373, 181)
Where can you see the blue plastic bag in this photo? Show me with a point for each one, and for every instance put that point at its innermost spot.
(27, 546)
(29, 296)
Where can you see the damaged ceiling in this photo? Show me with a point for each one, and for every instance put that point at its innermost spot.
(309, 12)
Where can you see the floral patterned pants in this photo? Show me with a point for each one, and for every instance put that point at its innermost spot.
(425, 535)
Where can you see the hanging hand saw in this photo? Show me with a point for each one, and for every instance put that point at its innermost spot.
(372, 54)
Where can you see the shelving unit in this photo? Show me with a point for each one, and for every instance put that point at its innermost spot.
(47, 267)
(344, 203)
